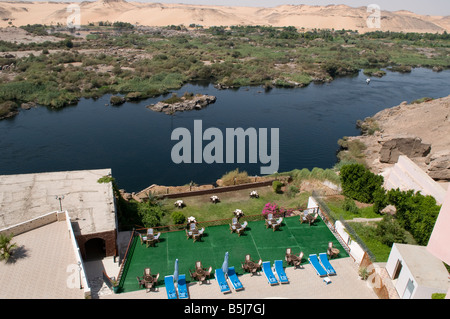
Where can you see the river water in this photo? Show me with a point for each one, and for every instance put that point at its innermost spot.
(136, 144)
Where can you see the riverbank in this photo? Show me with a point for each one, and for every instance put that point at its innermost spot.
(140, 63)
(420, 130)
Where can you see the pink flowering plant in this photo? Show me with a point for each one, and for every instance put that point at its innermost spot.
(276, 211)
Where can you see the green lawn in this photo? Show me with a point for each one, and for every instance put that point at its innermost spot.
(204, 210)
(258, 241)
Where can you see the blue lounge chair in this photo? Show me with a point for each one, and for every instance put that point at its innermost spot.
(182, 288)
(235, 282)
(278, 265)
(269, 273)
(221, 280)
(170, 287)
(313, 260)
(326, 264)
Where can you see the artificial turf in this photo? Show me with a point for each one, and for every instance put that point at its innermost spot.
(258, 241)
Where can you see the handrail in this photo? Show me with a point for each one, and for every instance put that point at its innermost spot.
(125, 257)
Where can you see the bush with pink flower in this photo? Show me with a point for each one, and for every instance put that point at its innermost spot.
(276, 211)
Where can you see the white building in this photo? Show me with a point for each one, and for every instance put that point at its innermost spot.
(415, 272)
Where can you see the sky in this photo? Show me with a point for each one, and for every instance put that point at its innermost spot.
(427, 7)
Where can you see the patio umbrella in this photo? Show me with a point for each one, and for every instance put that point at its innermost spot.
(175, 273)
(225, 263)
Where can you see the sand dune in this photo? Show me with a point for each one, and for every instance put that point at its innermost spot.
(158, 14)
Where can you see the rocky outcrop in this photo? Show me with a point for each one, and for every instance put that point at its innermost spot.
(419, 130)
(439, 166)
(116, 100)
(411, 147)
(184, 103)
(8, 109)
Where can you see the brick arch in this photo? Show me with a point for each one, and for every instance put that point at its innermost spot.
(108, 238)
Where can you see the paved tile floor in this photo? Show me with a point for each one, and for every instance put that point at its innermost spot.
(303, 284)
(40, 266)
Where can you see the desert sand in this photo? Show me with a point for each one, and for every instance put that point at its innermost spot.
(159, 14)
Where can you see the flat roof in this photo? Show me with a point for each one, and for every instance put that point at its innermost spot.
(90, 204)
(427, 270)
(43, 266)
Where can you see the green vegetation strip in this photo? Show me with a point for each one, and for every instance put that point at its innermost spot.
(257, 241)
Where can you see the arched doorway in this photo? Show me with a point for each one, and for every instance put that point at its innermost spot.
(95, 249)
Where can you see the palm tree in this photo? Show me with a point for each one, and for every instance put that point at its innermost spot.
(6, 247)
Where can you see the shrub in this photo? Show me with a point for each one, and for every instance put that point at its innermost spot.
(359, 183)
(276, 185)
(415, 212)
(235, 178)
(275, 210)
(150, 213)
(389, 231)
(291, 191)
(350, 206)
(178, 218)
(6, 247)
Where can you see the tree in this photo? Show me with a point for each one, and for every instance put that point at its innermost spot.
(415, 212)
(150, 213)
(359, 183)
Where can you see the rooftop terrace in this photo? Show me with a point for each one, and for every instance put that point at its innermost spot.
(259, 242)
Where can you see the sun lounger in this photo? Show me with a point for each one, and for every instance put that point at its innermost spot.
(170, 287)
(182, 288)
(313, 260)
(326, 264)
(278, 265)
(235, 282)
(221, 280)
(269, 273)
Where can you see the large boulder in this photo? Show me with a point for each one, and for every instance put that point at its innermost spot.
(409, 146)
(439, 167)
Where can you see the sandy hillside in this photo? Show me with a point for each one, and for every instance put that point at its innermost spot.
(157, 14)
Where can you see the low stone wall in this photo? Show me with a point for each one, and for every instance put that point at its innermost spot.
(34, 223)
(218, 190)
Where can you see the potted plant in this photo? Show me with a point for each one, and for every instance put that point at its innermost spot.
(364, 273)
(6, 247)
(115, 285)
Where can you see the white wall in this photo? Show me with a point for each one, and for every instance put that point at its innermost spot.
(405, 274)
(355, 250)
(312, 203)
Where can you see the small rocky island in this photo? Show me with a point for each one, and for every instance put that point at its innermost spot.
(187, 102)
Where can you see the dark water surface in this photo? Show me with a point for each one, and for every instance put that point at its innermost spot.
(136, 144)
